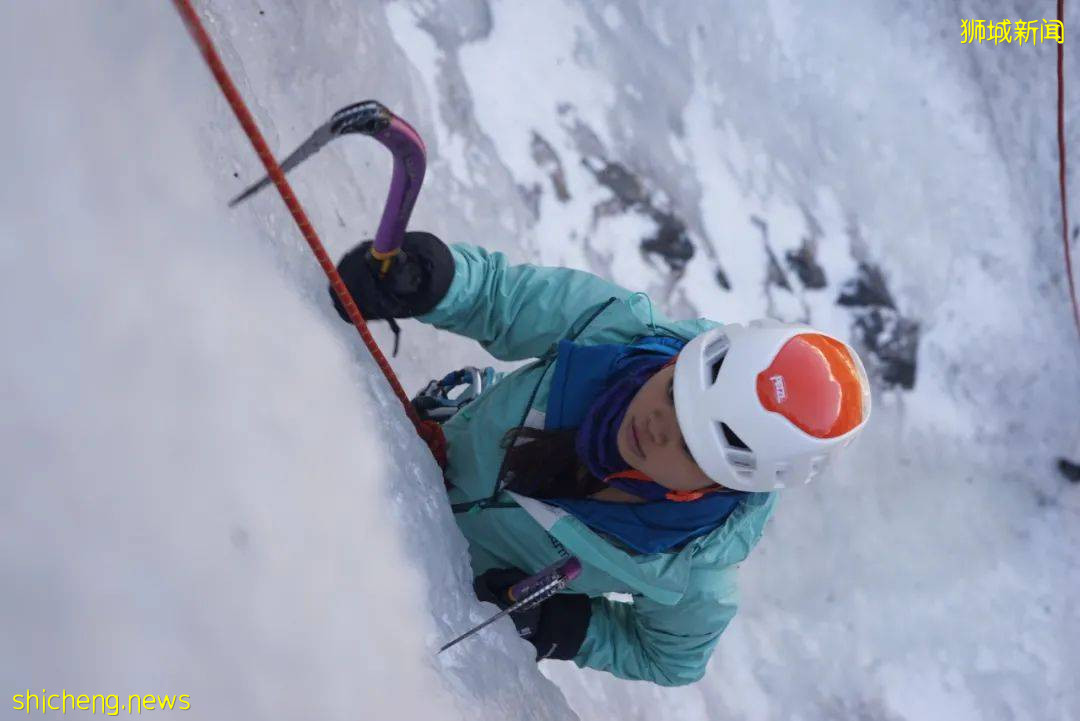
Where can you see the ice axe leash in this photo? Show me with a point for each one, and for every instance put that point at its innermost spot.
(396, 215)
(530, 592)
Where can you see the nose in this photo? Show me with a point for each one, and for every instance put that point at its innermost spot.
(662, 427)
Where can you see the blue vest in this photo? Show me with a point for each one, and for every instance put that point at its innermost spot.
(581, 373)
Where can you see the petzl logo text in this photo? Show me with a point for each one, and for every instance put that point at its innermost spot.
(778, 387)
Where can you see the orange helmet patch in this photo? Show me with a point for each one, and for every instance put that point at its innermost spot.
(815, 383)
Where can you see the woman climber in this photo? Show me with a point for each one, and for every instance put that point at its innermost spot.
(650, 449)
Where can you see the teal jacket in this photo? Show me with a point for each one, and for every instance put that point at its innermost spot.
(682, 600)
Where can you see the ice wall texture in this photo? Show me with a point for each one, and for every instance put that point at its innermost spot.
(208, 489)
(768, 157)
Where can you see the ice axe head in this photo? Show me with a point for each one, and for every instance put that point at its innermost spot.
(368, 117)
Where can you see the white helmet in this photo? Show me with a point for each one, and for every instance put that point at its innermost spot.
(766, 406)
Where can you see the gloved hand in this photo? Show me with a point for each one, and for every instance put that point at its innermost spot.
(419, 276)
(556, 628)
(493, 586)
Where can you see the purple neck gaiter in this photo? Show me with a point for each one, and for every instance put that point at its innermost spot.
(597, 437)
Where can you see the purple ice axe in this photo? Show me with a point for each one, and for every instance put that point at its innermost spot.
(530, 592)
(371, 118)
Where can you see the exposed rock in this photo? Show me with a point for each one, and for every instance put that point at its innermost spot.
(625, 185)
(548, 160)
(586, 141)
(867, 288)
(893, 344)
(530, 195)
(1070, 470)
(891, 340)
(778, 305)
(722, 279)
(607, 208)
(776, 275)
(671, 242)
(805, 265)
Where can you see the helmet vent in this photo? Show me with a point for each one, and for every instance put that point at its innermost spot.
(741, 458)
(743, 462)
(733, 440)
(717, 346)
(716, 367)
(713, 356)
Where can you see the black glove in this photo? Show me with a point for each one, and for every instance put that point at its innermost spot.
(556, 628)
(493, 586)
(419, 276)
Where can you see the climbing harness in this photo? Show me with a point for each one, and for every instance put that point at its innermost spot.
(544, 363)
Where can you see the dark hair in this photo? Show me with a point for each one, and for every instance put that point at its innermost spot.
(545, 464)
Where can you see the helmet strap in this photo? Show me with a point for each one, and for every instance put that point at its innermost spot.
(639, 484)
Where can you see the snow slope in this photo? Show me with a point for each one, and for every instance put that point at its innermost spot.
(928, 579)
(202, 458)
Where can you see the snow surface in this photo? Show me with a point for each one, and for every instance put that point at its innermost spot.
(209, 490)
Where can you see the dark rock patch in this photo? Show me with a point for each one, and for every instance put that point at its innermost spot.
(671, 241)
(776, 275)
(893, 344)
(548, 160)
(1070, 470)
(805, 265)
(722, 279)
(890, 339)
(530, 195)
(624, 185)
(867, 288)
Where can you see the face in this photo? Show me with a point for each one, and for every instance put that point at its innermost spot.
(650, 441)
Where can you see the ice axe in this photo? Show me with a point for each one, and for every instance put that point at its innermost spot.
(371, 118)
(530, 592)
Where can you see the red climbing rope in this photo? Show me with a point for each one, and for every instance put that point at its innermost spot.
(429, 431)
(1061, 167)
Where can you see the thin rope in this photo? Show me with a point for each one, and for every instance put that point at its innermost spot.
(429, 431)
(1061, 165)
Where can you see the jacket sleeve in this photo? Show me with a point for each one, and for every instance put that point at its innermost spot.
(515, 311)
(644, 640)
